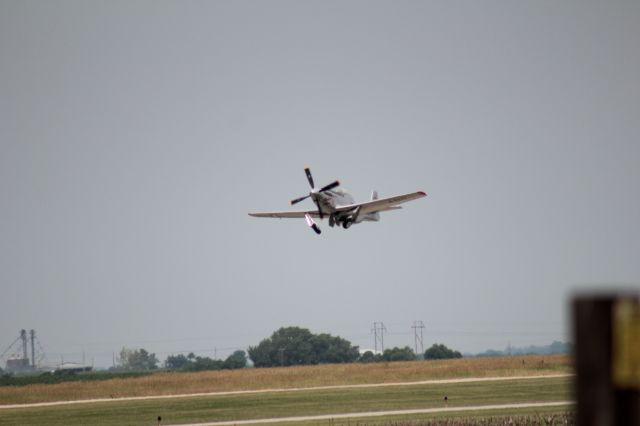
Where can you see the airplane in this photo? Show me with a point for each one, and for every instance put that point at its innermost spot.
(339, 207)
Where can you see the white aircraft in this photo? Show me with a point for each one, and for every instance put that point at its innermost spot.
(339, 207)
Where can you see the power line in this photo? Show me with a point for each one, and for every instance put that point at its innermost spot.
(378, 335)
(418, 339)
(19, 360)
(9, 347)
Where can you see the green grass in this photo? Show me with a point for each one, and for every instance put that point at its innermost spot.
(286, 404)
(56, 378)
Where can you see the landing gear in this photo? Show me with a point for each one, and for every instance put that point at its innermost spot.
(346, 222)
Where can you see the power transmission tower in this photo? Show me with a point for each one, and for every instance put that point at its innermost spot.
(378, 335)
(418, 339)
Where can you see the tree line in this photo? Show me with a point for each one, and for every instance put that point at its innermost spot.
(285, 347)
(142, 360)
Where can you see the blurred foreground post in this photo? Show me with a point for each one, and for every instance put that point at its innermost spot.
(606, 331)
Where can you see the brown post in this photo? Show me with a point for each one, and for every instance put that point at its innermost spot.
(607, 359)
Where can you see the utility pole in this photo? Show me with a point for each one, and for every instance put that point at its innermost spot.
(378, 334)
(374, 330)
(418, 339)
(33, 349)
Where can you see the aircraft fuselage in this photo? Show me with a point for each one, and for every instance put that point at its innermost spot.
(328, 201)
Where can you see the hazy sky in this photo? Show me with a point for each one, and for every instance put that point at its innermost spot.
(135, 136)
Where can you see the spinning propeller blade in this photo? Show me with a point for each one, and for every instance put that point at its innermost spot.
(309, 177)
(297, 200)
(330, 186)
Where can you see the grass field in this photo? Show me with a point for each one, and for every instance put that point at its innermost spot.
(286, 404)
(293, 403)
(290, 377)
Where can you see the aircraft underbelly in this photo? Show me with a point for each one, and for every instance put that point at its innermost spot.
(328, 205)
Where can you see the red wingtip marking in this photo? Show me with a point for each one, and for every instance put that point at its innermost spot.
(424, 194)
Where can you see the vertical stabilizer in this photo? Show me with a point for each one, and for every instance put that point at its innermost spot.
(375, 216)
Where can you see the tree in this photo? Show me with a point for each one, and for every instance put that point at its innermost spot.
(238, 359)
(440, 351)
(298, 346)
(399, 354)
(204, 363)
(286, 346)
(369, 356)
(329, 349)
(178, 362)
(137, 360)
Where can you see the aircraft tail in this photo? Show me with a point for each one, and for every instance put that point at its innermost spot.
(374, 217)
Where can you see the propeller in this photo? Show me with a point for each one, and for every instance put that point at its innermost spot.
(309, 177)
(332, 185)
(297, 200)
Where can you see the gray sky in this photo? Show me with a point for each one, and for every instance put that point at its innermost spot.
(135, 136)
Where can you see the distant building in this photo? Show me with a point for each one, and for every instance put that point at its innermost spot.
(18, 365)
(72, 367)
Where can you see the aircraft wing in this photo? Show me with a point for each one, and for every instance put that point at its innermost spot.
(287, 214)
(382, 204)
